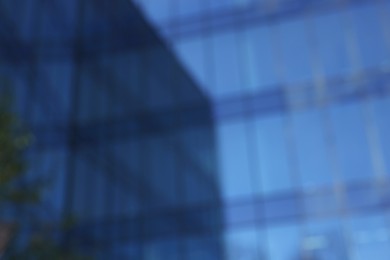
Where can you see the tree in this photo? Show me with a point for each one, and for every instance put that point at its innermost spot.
(13, 141)
(15, 191)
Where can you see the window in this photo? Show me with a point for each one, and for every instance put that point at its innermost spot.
(235, 175)
(273, 158)
(312, 153)
(351, 142)
(295, 51)
(259, 60)
(370, 36)
(331, 44)
(227, 64)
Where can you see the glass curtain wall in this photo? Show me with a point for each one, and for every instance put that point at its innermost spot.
(300, 100)
(123, 135)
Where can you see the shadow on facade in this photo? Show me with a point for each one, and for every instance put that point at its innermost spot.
(123, 133)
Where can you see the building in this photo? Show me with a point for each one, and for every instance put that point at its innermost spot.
(299, 91)
(296, 92)
(122, 133)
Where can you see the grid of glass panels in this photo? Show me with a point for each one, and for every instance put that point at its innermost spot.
(123, 135)
(300, 97)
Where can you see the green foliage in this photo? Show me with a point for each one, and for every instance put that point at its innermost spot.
(14, 140)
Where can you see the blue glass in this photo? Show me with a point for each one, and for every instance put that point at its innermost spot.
(259, 60)
(369, 237)
(187, 9)
(294, 52)
(351, 142)
(235, 172)
(275, 172)
(227, 64)
(370, 36)
(157, 10)
(192, 53)
(312, 151)
(325, 239)
(286, 248)
(244, 243)
(381, 107)
(331, 45)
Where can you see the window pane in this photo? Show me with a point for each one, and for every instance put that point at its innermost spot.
(273, 161)
(294, 52)
(312, 153)
(370, 36)
(192, 54)
(370, 237)
(283, 243)
(234, 162)
(351, 142)
(330, 36)
(243, 244)
(260, 66)
(227, 66)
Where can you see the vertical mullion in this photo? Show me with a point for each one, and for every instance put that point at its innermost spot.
(296, 184)
(251, 138)
(72, 130)
(371, 128)
(320, 85)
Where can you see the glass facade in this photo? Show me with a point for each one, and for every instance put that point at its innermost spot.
(207, 129)
(299, 94)
(123, 135)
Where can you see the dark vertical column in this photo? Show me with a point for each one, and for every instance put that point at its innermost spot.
(75, 84)
(174, 141)
(31, 84)
(143, 64)
(108, 231)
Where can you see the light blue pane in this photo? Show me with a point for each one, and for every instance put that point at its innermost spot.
(273, 163)
(324, 240)
(189, 8)
(244, 244)
(351, 142)
(311, 149)
(239, 213)
(216, 6)
(259, 59)
(370, 237)
(234, 160)
(331, 51)
(227, 64)
(370, 36)
(284, 242)
(382, 108)
(295, 52)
